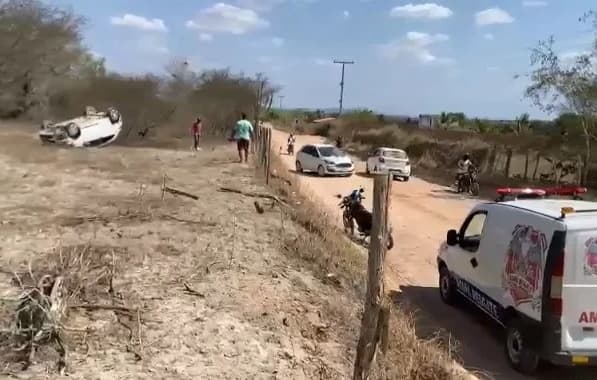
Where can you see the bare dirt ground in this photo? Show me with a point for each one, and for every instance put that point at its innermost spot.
(421, 213)
(253, 313)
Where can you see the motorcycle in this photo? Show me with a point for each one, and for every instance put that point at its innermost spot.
(468, 182)
(356, 212)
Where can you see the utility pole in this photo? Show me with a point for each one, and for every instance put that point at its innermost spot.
(280, 97)
(343, 63)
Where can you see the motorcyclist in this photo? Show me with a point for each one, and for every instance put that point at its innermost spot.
(339, 142)
(291, 141)
(463, 167)
(356, 196)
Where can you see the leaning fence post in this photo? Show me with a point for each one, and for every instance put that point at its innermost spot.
(375, 321)
(256, 144)
(269, 154)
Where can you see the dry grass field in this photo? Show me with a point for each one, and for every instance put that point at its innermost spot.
(248, 311)
(177, 288)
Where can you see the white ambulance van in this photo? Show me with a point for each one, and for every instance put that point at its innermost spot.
(531, 265)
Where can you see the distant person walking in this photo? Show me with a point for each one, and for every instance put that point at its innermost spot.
(196, 132)
(243, 131)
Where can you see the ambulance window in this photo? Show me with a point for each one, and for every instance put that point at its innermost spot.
(472, 231)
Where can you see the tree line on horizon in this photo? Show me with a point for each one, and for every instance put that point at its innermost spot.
(46, 72)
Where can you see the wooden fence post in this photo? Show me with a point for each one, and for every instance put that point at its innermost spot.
(269, 154)
(258, 139)
(508, 162)
(374, 324)
(257, 143)
(537, 162)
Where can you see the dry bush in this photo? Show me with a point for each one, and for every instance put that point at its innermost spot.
(63, 278)
(337, 260)
(137, 98)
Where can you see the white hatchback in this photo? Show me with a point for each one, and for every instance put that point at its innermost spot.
(395, 161)
(324, 159)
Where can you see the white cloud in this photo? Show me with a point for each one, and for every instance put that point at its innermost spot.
(206, 37)
(226, 18)
(534, 3)
(266, 5)
(492, 16)
(488, 36)
(278, 42)
(415, 45)
(139, 22)
(428, 10)
(346, 14)
(259, 5)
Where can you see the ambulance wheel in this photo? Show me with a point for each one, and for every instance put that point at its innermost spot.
(447, 286)
(518, 351)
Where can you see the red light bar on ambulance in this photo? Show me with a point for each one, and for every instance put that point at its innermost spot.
(518, 191)
(565, 190)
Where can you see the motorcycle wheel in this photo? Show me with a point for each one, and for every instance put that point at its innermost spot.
(475, 189)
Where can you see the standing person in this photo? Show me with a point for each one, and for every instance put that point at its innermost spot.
(196, 132)
(243, 131)
(291, 141)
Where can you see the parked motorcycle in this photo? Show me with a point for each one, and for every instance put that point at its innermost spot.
(356, 212)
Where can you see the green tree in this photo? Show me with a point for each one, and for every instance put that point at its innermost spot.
(558, 87)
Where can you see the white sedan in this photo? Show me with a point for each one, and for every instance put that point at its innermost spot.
(395, 161)
(324, 159)
(93, 129)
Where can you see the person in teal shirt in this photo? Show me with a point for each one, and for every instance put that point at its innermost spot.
(243, 131)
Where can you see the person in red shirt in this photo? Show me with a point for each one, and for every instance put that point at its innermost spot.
(196, 132)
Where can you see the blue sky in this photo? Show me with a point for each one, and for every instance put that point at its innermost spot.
(411, 57)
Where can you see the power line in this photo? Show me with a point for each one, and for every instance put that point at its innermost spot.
(343, 63)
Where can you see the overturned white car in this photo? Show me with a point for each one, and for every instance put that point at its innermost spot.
(93, 129)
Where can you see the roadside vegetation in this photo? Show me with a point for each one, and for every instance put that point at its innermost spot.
(509, 152)
(47, 73)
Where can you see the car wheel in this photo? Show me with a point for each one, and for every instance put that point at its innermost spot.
(299, 167)
(73, 131)
(320, 171)
(113, 115)
(520, 356)
(447, 286)
(405, 179)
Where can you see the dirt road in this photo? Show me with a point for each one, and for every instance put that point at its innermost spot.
(421, 213)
